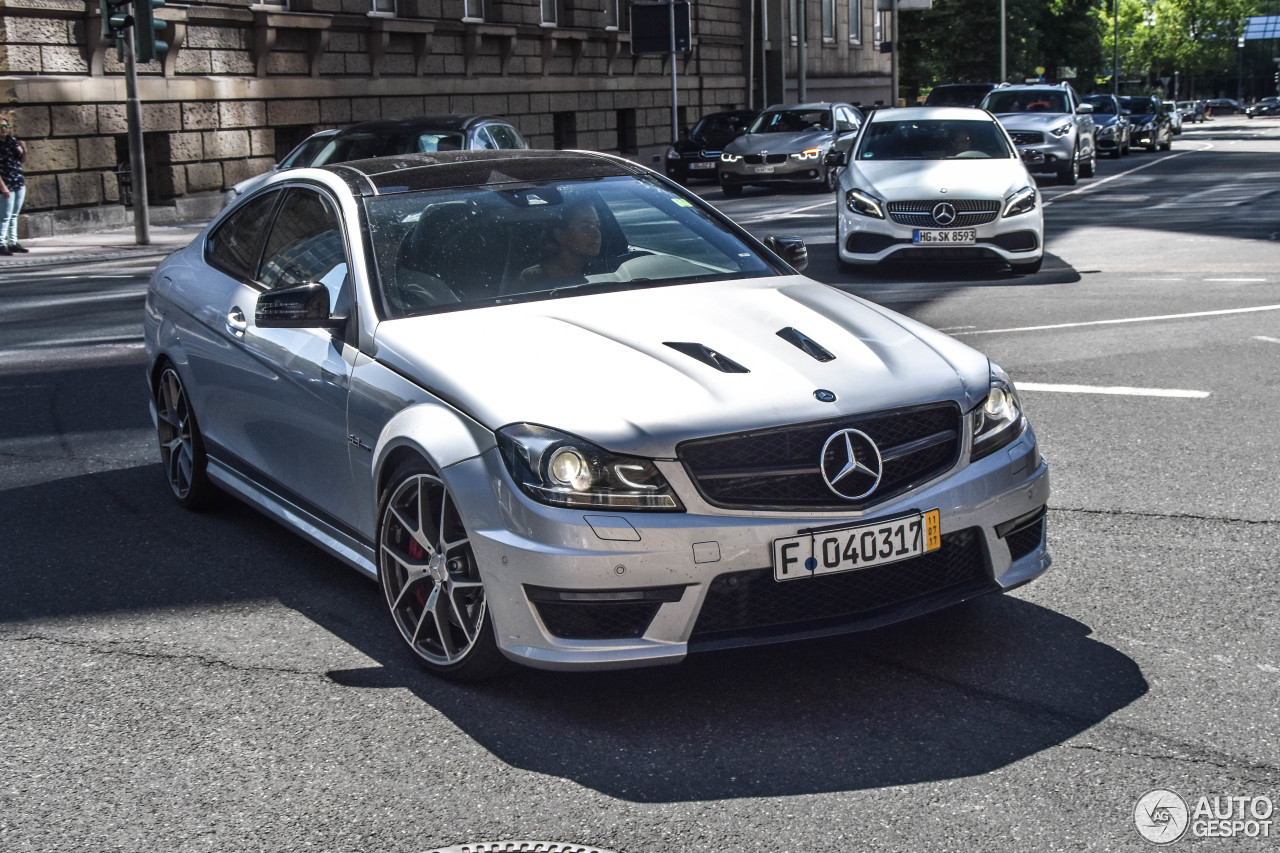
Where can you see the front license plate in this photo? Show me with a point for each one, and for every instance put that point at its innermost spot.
(850, 548)
(702, 165)
(962, 237)
(763, 169)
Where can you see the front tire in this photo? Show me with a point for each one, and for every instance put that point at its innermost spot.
(1090, 166)
(831, 181)
(1069, 172)
(181, 448)
(430, 579)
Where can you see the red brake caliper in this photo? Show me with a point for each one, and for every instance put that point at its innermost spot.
(416, 552)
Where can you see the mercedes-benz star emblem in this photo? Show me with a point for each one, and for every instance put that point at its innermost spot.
(825, 396)
(851, 464)
(944, 213)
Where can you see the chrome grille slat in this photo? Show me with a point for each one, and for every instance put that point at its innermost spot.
(919, 213)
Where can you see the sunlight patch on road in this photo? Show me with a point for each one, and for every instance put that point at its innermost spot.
(1115, 390)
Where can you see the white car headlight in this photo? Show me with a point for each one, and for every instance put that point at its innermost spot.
(998, 420)
(859, 202)
(559, 469)
(726, 157)
(1061, 130)
(1109, 130)
(1023, 201)
(1149, 126)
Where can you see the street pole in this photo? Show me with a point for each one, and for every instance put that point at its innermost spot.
(675, 120)
(1115, 47)
(802, 32)
(1240, 71)
(137, 162)
(893, 53)
(1004, 71)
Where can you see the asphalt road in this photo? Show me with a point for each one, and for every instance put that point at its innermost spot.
(180, 682)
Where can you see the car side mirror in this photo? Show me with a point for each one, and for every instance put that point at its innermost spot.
(790, 249)
(1126, 112)
(1084, 109)
(836, 158)
(303, 306)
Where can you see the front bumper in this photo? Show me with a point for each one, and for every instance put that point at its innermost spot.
(1056, 150)
(692, 167)
(599, 590)
(785, 169)
(863, 240)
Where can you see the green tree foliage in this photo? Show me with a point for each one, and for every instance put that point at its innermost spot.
(1160, 37)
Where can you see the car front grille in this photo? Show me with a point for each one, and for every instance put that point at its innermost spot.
(1026, 137)
(738, 603)
(969, 212)
(758, 159)
(781, 468)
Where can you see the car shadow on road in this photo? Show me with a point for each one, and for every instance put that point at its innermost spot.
(956, 694)
(896, 283)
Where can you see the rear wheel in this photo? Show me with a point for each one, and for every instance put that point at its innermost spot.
(181, 448)
(430, 580)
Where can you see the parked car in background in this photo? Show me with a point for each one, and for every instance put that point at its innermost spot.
(937, 184)
(301, 155)
(1152, 127)
(1264, 107)
(1050, 120)
(1113, 135)
(697, 153)
(686, 445)
(788, 145)
(1222, 107)
(957, 94)
(1192, 111)
(420, 135)
(1175, 116)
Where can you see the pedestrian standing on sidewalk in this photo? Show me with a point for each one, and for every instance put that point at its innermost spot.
(13, 187)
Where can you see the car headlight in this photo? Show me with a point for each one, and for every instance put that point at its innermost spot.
(998, 420)
(726, 157)
(808, 154)
(559, 469)
(859, 202)
(1109, 130)
(672, 154)
(1023, 201)
(1148, 127)
(1061, 130)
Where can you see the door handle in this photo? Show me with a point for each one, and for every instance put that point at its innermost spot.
(236, 323)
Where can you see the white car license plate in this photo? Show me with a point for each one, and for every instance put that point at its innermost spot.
(763, 169)
(961, 237)
(846, 549)
(702, 165)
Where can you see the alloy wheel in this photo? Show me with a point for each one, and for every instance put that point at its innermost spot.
(180, 450)
(429, 574)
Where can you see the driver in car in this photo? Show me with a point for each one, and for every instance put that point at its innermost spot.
(573, 240)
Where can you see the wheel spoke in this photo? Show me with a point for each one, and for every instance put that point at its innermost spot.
(460, 614)
(427, 610)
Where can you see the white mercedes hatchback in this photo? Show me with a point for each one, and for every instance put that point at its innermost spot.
(566, 414)
(940, 185)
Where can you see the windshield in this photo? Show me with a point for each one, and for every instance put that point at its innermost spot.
(717, 126)
(933, 140)
(450, 249)
(956, 96)
(1027, 101)
(792, 121)
(1139, 106)
(361, 146)
(1102, 105)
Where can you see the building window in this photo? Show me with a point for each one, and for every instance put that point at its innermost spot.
(610, 14)
(855, 21)
(473, 10)
(564, 130)
(549, 13)
(880, 31)
(828, 20)
(626, 120)
(382, 7)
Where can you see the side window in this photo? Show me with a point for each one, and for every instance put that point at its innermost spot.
(483, 139)
(235, 245)
(505, 136)
(305, 244)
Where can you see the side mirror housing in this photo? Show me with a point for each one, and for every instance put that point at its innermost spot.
(790, 249)
(304, 306)
(1084, 109)
(836, 158)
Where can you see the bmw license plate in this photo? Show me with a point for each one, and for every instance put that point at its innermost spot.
(959, 237)
(763, 170)
(847, 549)
(708, 165)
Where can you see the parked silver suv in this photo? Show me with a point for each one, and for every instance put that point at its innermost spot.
(1050, 120)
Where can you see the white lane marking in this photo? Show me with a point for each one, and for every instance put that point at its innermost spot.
(79, 299)
(785, 214)
(1265, 338)
(1093, 185)
(1155, 318)
(1235, 280)
(1118, 390)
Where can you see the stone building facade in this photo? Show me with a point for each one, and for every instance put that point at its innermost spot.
(243, 82)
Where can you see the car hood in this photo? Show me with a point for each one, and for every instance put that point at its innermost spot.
(780, 143)
(1141, 118)
(598, 366)
(1105, 119)
(899, 180)
(1033, 121)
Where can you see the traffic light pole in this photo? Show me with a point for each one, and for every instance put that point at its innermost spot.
(137, 161)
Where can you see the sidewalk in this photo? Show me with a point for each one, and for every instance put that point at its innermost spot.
(101, 246)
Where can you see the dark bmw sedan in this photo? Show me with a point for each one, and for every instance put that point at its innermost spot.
(697, 153)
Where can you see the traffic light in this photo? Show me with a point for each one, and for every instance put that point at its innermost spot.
(145, 43)
(115, 20)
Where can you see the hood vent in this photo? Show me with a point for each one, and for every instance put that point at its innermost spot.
(707, 356)
(799, 339)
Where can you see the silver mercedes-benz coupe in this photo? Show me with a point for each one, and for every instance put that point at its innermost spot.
(568, 415)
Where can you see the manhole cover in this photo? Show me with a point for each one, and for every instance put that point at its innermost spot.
(520, 847)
